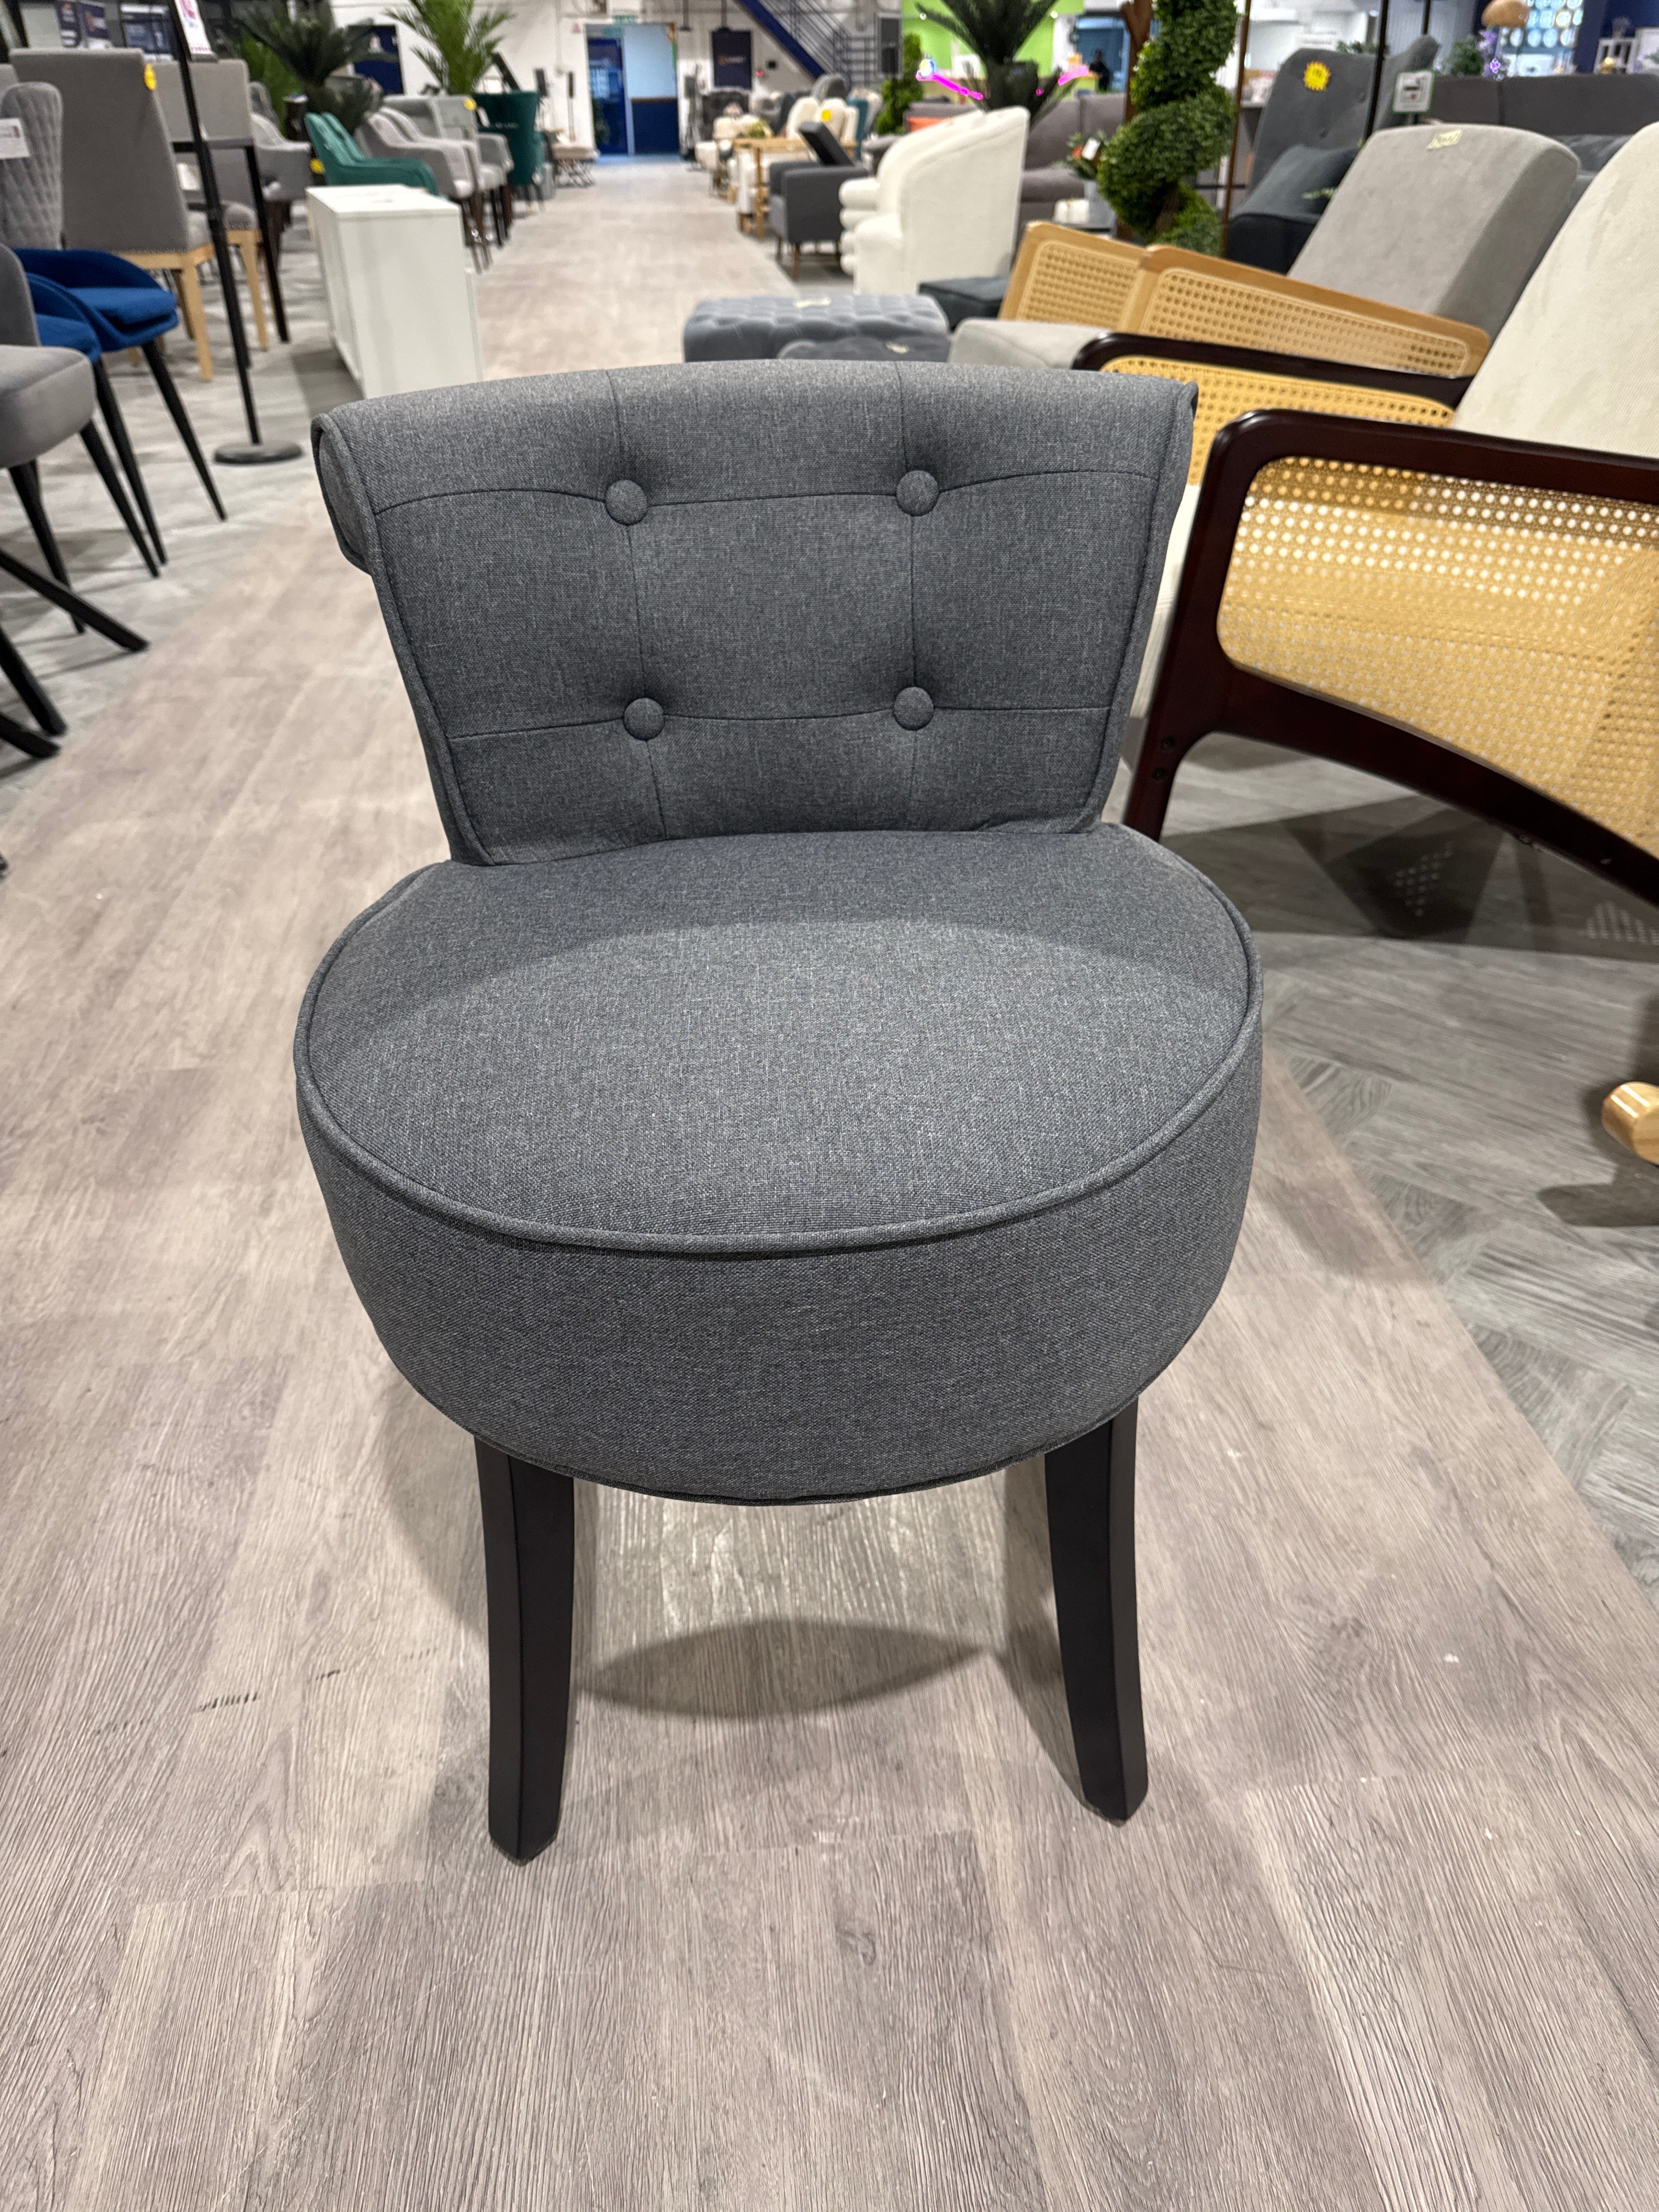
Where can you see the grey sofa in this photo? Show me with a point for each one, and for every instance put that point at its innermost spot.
(1591, 115)
(787, 1089)
(1049, 177)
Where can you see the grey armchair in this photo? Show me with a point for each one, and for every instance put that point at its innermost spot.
(453, 164)
(1049, 177)
(787, 1089)
(1317, 107)
(444, 115)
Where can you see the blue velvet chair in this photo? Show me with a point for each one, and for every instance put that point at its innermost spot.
(49, 318)
(127, 309)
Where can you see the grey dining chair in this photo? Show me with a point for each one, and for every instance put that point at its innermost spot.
(46, 395)
(453, 164)
(787, 1088)
(121, 189)
(32, 223)
(226, 113)
(445, 115)
(19, 329)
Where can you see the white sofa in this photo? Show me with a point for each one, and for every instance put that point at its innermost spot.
(944, 203)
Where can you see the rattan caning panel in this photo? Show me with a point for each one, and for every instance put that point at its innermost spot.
(1071, 279)
(1520, 627)
(1221, 310)
(1223, 394)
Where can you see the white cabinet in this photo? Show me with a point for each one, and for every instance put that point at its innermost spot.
(401, 307)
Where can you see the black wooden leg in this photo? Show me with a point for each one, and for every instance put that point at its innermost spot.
(21, 678)
(529, 1530)
(175, 406)
(1092, 1545)
(105, 468)
(115, 423)
(26, 481)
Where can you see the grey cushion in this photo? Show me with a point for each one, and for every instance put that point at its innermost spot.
(632, 570)
(46, 395)
(758, 327)
(1276, 222)
(784, 1167)
(1446, 222)
(963, 299)
(237, 216)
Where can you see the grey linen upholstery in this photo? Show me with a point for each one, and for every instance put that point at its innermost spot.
(786, 1091)
(759, 326)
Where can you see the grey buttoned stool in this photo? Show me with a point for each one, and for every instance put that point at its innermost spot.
(787, 1089)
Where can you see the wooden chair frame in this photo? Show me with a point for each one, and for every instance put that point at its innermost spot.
(1199, 689)
(184, 267)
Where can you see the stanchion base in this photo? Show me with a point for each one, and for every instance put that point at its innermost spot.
(250, 457)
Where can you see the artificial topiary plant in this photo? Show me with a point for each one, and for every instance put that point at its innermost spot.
(899, 93)
(319, 53)
(1182, 123)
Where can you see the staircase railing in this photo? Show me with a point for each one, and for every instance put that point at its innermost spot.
(815, 40)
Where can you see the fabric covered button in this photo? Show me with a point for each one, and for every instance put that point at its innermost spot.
(918, 493)
(625, 501)
(913, 709)
(643, 718)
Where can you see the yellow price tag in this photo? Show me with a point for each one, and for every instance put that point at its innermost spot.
(149, 75)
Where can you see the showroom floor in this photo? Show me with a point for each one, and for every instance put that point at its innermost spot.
(827, 1922)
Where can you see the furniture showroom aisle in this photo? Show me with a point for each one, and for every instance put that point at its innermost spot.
(827, 1922)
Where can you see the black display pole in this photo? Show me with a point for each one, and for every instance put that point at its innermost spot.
(257, 449)
(1382, 55)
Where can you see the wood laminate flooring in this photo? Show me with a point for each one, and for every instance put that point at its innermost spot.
(828, 1924)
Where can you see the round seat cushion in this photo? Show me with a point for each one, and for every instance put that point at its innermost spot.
(46, 395)
(782, 1167)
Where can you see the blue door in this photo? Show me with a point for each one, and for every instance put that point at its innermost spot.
(604, 80)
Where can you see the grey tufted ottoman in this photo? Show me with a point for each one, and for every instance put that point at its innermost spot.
(759, 327)
(787, 1089)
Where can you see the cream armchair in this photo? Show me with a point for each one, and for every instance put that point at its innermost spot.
(946, 203)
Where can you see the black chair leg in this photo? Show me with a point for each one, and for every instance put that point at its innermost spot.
(73, 603)
(115, 423)
(105, 468)
(25, 482)
(175, 406)
(21, 678)
(530, 1559)
(1092, 1545)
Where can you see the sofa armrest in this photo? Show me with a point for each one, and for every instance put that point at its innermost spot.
(1183, 294)
(1234, 381)
(812, 197)
(1371, 592)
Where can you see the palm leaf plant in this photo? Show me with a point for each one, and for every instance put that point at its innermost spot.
(318, 52)
(456, 40)
(994, 31)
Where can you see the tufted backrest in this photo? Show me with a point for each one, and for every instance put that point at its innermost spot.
(763, 596)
